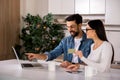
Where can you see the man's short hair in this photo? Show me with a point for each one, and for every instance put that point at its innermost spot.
(75, 17)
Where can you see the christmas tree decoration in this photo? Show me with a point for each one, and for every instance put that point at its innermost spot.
(40, 34)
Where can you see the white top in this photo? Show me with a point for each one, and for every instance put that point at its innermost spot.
(77, 44)
(100, 58)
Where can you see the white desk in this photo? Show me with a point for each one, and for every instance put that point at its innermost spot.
(10, 70)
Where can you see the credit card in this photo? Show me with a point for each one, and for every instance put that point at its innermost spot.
(71, 50)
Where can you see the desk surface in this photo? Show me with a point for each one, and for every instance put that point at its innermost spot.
(11, 70)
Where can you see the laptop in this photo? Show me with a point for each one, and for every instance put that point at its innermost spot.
(27, 64)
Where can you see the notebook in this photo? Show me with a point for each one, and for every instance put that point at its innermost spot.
(27, 64)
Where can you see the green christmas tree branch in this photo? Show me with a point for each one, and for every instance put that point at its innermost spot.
(40, 34)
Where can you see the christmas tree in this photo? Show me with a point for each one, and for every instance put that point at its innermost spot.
(40, 34)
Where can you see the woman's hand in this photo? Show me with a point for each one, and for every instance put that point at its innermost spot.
(65, 64)
(79, 53)
(73, 67)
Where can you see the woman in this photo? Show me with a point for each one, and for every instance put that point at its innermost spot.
(101, 50)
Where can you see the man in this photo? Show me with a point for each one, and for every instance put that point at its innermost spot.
(77, 40)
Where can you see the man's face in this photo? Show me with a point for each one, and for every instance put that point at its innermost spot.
(73, 28)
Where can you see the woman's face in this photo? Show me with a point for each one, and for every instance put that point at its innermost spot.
(90, 32)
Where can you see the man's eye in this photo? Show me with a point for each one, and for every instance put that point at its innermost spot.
(70, 26)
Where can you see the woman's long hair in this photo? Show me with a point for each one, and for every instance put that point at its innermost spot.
(98, 26)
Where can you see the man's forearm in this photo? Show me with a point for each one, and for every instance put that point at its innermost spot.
(42, 56)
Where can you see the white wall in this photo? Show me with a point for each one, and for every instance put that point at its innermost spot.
(28, 6)
(113, 35)
(33, 7)
(112, 12)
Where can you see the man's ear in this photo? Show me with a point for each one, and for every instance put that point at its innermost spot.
(80, 25)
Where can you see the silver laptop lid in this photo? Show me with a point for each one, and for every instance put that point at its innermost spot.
(30, 64)
(16, 56)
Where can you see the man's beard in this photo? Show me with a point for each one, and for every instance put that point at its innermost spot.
(74, 33)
